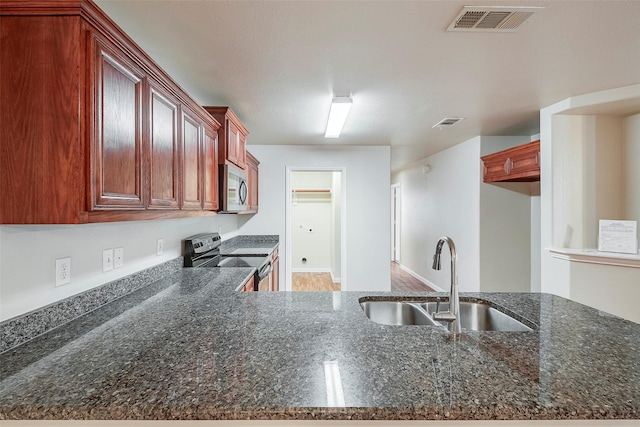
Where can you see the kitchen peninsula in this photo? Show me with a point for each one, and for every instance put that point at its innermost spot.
(188, 347)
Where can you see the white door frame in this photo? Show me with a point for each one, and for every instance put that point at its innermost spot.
(395, 222)
(343, 221)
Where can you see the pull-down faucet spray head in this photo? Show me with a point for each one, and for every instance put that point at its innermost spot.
(436, 255)
(436, 261)
(453, 315)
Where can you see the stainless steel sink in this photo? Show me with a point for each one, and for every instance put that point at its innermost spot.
(474, 316)
(478, 316)
(397, 313)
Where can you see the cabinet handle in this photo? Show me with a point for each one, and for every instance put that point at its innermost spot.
(508, 166)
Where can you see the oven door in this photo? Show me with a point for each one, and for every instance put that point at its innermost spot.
(261, 278)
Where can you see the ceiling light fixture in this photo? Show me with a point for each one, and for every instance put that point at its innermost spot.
(340, 106)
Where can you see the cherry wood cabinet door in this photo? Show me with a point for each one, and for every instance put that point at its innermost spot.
(163, 149)
(241, 153)
(191, 164)
(210, 152)
(116, 161)
(252, 175)
(232, 142)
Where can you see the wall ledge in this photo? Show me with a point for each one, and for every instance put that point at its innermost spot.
(593, 256)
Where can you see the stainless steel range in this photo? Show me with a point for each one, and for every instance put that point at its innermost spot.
(203, 250)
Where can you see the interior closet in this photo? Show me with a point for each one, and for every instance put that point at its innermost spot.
(316, 230)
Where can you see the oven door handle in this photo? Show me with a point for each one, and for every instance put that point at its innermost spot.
(264, 270)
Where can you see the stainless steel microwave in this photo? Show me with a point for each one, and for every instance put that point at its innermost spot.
(233, 189)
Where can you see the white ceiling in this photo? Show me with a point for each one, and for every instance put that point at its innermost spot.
(278, 63)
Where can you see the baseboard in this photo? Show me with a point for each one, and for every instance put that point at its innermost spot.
(335, 279)
(311, 270)
(422, 279)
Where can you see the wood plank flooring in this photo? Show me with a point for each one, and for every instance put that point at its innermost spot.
(313, 282)
(401, 281)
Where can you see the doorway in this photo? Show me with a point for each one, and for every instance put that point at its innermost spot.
(315, 229)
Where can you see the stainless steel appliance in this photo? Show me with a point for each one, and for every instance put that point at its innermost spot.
(203, 250)
(233, 189)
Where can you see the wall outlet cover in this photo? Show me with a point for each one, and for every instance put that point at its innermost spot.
(160, 247)
(63, 271)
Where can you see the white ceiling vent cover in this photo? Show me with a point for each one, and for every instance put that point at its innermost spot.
(447, 122)
(492, 18)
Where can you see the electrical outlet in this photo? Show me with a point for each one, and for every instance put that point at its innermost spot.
(118, 257)
(160, 247)
(63, 271)
(107, 260)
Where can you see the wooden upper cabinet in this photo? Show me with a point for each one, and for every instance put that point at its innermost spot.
(191, 161)
(252, 182)
(42, 152)
(210, 198)
(163, 149)
(517, 164)
(232, 136)
(98, 132)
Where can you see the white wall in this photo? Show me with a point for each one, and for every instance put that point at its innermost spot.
(535, 244)
(28, 254)
(631, 130)
(367, 171)
(505, 227)
(442, 202)
(336, 226)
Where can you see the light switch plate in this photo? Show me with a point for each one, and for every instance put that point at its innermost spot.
(160, 247)
(107, 260)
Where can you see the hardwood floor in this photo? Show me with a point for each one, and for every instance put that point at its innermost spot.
(403, 281)
(313, 282)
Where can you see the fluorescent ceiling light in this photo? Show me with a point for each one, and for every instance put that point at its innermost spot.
(338, 113)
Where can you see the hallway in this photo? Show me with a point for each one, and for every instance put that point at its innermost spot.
(401, 281)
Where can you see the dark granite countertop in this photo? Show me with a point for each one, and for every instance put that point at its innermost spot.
(255, 245)
(189, 347)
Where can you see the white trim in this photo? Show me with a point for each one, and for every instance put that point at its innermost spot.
(335, 279)
(343, 221)
(311, 270)
(422, 279)
(593, 256)
(395, 222)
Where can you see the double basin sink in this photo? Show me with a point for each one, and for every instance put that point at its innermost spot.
(474, 315)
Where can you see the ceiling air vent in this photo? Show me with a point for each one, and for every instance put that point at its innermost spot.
(447, 122)
(491, 18)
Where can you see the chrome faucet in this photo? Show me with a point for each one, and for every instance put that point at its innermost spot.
(453, 315)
